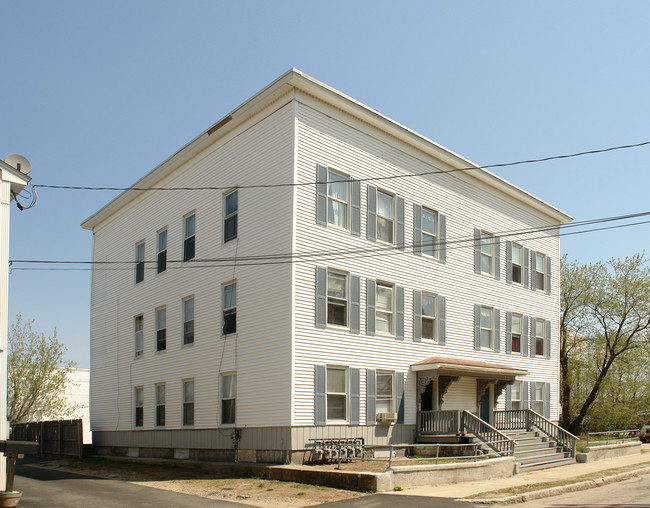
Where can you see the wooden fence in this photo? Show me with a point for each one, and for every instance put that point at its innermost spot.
(59, 438)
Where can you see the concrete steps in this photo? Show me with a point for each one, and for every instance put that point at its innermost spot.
(535, 452)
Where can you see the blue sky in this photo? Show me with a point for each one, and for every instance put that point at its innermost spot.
(98, 93)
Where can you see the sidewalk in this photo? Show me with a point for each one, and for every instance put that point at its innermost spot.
(557, 474)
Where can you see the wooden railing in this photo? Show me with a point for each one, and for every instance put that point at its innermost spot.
(491, 436)
(439, 422)
(527, 419)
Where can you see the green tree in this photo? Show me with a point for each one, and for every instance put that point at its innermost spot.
(37, 375)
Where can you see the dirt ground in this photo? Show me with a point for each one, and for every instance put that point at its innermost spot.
(255, 491)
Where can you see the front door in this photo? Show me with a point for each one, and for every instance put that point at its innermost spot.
(484, 406)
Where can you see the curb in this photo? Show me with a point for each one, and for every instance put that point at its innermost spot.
(555, 491)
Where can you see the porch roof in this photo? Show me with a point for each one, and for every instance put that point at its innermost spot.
(455, 366)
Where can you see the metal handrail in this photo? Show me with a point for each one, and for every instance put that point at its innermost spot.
(632, 433)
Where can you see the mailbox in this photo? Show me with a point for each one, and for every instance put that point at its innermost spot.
(19, 447)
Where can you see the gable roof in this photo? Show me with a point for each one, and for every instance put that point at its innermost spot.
(295, 79)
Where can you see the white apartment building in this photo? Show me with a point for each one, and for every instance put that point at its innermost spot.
(329, 274)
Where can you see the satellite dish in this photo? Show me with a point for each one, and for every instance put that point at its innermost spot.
(20, 162)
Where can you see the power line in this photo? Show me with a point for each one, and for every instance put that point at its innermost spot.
(369, 179)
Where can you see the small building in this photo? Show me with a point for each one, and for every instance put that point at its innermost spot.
(307, 268)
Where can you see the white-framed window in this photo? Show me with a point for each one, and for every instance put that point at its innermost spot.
(384, 308)
(162, 251)
(338, 199)
(228, 398)
(487, 253)
(486, 328)
(540, 333)
(138, 322)
(429, 232)
(429, 322)
(515, 332)
(517, 263)
(385, 217)
(540, 271)
(337, 298)
(385, 396)
(515, 397)
(160, 405)
(188, 320)
(189, 232)
(139, 262)
(188, 402)
(337, 394)
(138, 400)
(231, 207)
(230, 308)
(539, 398)
(161, 329)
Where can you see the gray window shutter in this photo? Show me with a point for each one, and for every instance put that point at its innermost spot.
(442, 320)
(354, 397)
(399, 222)
(533, 269)
(399, 312)
(417, 316)
(524, 338)
(508, 261)
(548, 275)
(370, 306)
(533, 389)
(547, 400)
(399, 392)
(371, 218)
(547, 339)
(355, 207)
(371, 397)
(524, 395)
(508, 397)
(496, 245)
(417, 229)
(321, 297)
(526, 275)
(508, 332)
(442, 238)
(477, 250)
(533, 337)
(496, 315)
(355, 304)
(321, 194)
(320, 396)
(477, 326)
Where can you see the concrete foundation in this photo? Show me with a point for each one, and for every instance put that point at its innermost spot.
(593, 453)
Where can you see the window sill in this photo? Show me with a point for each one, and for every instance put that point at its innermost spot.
(189, 344)
(161, 351)
(227, 425)
(385, 335)
(338, 228)
(338, 328)
(229, 335)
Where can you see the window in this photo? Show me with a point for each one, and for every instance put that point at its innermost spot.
(337, 298)
(487, 258)
(228, 397)
(539, 398)
(139, 335)
(515, 333)
(539, 337)
(160, 405)
(230, 308)
(384, 399)
(189, 243)
(516, 395)
(337, 199)
(139, 262)
(384, 308)
(429, 317)
(337, 398)
(230, 217)
(486, 326)
(517, 263)
(384, 217)
(161, 329)
(188, 321)
(162, 251)
(138, 396)
(188, 402)
(540, 274)
(429, 228)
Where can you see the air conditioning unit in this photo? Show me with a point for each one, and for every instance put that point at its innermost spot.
(386, 417)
